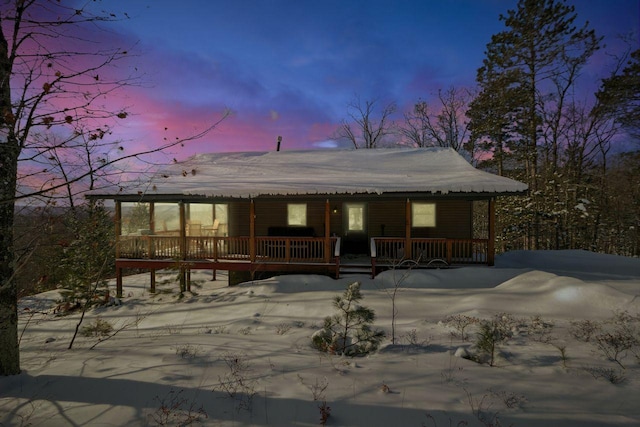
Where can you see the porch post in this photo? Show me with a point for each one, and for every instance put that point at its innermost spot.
(118, 226)
(327, 231)
(118, 281)
(152, 249)
(252, 231)
(491, 250)
(152, 217)
(183, 232)
(183, 247)
(152, 226)
(118, 230)
(407, 238)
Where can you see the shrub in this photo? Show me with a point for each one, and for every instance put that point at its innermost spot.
(584, 330)
(236, 383)
(348, 331)
(460, 323)
(174, 409)
(618, 336)
(99, 328)
(540, 330)
(492, 333)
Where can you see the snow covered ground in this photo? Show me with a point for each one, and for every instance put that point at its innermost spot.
(240, 356)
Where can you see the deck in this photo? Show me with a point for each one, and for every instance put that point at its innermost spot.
(316, 255)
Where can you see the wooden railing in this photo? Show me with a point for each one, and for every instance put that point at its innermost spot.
(290, 249)
(148, 247)
(451, 251)
(299, 249)
(267, 249)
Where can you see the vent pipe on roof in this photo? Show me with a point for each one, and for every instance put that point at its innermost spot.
(279, 141)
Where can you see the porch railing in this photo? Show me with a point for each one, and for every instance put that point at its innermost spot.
(299, 249)
(451, 251)
(265, 249)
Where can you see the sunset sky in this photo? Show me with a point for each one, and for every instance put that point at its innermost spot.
(290, 68)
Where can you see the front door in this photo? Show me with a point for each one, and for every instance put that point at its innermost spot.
(354, 220)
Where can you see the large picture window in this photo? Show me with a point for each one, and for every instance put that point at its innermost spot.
(297, 214)
(423, 215)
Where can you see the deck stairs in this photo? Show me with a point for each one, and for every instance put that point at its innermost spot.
(355, 266)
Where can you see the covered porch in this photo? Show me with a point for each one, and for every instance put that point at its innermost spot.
(184, 247)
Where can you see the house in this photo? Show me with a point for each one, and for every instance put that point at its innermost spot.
(320, 211)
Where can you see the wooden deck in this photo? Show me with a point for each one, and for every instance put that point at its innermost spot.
(316, 255)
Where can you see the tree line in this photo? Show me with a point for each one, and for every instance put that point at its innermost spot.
(522, 121)
(577, 153)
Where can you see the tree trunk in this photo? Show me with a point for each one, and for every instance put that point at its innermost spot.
(9, 152)
(9, 351)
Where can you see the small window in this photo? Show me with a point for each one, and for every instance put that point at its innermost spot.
(297, 214)
(356, 217)
(424, 215)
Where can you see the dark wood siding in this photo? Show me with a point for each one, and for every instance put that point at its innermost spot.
(453, 217)
(453, 221)
(389, 215)
(274, 214)
(239, 218)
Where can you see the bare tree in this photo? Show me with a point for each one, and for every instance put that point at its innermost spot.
(440, 126)
(55, 78)
(366, 128)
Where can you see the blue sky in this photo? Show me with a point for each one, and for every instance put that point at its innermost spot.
(291, 67)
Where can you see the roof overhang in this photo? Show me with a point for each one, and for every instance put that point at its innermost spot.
(380, 173)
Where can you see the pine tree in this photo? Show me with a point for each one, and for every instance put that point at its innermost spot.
(525, 80)
(88, 258)
(620, 95)
(349, 330)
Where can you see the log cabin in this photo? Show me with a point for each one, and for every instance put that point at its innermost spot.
(308, 211)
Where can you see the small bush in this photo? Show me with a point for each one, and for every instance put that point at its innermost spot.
(614, 345)
(612, 375)
(584, 330)
(99, 328)
(348, 332)
(460, 323)
(187, 351)
(283, 328)
(174, 409)
(493, 332)
(511, 400)
(236, 383)
(540, 330)
(618, 336)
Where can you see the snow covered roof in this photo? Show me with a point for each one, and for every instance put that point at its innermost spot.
(385, 170)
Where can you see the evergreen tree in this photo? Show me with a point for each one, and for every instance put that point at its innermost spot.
(349, 330)
(524, 81)
(620, 95)
(88, 258)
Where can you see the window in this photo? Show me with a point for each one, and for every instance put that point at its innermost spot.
(297, 214)
(167, 218)
(423, 214)
(135, 218)
(355, 217)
